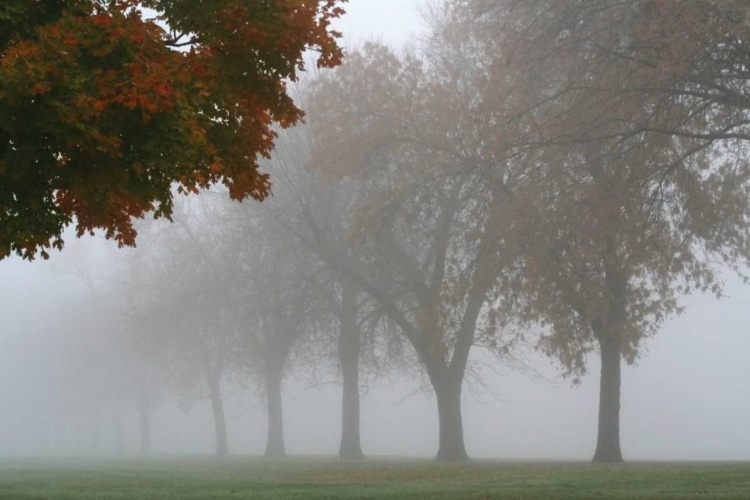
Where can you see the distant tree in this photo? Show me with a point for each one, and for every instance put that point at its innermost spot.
(190, 311)
(349, 328)
(102, 109)
(272, 285)
(431, 231)
(80, 381)
(346, 310)
(276, 321)
(90, 325)
(365, 350)
(141, 340)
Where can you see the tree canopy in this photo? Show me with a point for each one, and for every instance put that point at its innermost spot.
(629, 121)
(104, 106)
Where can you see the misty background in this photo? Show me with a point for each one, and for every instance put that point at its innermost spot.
(686, 399)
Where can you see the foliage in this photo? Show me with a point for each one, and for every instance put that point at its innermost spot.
(102, 109)
(635, 176)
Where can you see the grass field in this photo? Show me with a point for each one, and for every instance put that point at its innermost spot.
(252, 478)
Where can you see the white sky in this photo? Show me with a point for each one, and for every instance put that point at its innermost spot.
(392, 21)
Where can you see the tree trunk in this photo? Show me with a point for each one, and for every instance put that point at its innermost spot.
(96, 424)
(118, 444)
(58, 434)
(77, 437)
(350, 345)
(275, 445)
(217, 405)
(351, 447)
(144, 412)
(608, 439)
(451, 447)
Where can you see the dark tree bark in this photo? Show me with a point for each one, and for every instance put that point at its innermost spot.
(220, 425)
(451, 445)
(608, 438)
(275, 445)
(144, 414)
(350, 345)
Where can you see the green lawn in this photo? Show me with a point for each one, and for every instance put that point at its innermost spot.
(299, 478)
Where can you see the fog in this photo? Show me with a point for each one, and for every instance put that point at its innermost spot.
(69, 382)
(687, 399)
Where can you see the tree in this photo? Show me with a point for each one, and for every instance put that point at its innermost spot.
(349, 327)
(618, 55)
(281, 289)
(91, 326)
(430, 230)
(612, 247)
(270, 282)
(225, 293)
(191, 313)
(102, 109)
(142, 341)
(636, 184)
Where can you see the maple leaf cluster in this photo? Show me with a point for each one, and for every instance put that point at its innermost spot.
(105, 106)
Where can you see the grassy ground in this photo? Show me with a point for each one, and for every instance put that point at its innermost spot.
(250, 478)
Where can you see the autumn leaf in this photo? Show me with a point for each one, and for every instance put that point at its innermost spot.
(111, 91)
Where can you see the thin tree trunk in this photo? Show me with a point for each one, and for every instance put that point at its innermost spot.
(275, 445)
(608, 439)
(214, 387)
(144, 412)
(46, 428)
(451, 447)
(58, 434)
(96, 423)
(77, 430)
(350, 345)
(119, 447)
